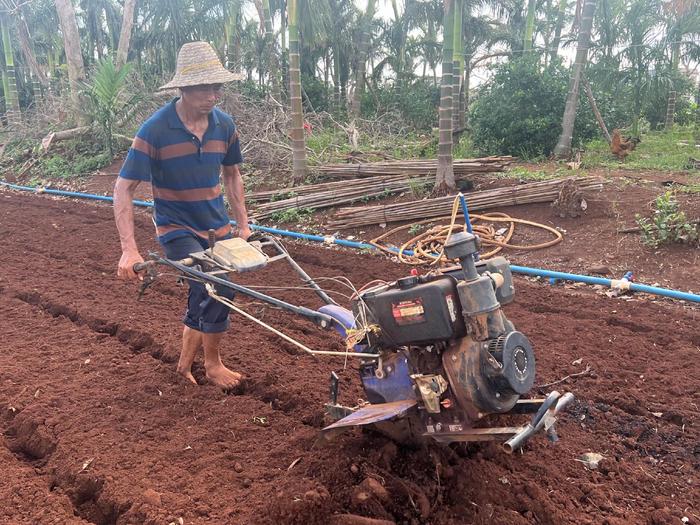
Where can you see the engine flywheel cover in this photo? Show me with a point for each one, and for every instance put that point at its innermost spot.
(518, 359)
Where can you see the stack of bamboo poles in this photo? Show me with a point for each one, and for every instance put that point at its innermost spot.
(414, 167)
(328, 194)
(533, 192)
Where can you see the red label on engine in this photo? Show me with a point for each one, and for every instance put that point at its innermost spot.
(408, 312)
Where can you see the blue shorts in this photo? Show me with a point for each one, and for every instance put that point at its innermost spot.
(203, 314)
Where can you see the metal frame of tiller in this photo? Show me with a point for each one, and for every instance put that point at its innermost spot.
(206, 266)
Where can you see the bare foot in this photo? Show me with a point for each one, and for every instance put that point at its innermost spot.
(187, 374)
(191, 345)
(223, 377)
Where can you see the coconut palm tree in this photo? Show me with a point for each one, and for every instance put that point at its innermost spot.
(233, 26)
(560, 17)
(642, 54)
(458, 64)
(363, 43)
(683, 31)
(297, 131)
(563, 147)
(529, 32)
(445, 177)
(9, 74)
(271, 51)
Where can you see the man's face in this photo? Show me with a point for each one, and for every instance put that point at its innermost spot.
(202, 98)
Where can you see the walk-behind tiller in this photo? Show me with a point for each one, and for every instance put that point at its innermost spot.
(437, 354)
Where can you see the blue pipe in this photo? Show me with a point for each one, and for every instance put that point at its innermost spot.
(467, 219)
(611, 283)
(465, 211)
(534, 272)
(146, 204)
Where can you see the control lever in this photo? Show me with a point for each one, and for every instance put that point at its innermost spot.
(212, 242)
(150, 270)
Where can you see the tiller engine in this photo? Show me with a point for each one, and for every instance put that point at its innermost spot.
(447, 356)
(437, 353)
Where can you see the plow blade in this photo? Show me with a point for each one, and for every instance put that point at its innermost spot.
(375, 414)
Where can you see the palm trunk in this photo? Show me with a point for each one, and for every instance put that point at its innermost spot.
(399, 57)
(561, 9)
(10, 74)
(670, 110)
(71, 42)
(362, 51)
(445, 177)
(696, 132)
(563, 147)
(594, 107)
(336, 78)
(458, 66)
(529, 25)
(125, 34)
(675, 61)
(464, 96)
(273, 64)
(639, 73)
(233, 38)
(297, 132)
(405, 21)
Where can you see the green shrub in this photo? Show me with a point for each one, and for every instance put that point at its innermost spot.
(315, 94)
(415, 103)
(56, 167)
(519, 111)
(110, 101)
(668, 223)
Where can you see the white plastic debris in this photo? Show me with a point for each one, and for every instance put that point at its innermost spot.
(591, 459)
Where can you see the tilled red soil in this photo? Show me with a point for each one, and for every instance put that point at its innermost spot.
(98, 428)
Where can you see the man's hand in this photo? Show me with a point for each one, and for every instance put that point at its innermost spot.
(126, 266)
(243, 232)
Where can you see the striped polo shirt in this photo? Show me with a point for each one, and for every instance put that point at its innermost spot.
(184, 172)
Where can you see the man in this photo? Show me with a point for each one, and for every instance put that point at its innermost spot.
(182, 149)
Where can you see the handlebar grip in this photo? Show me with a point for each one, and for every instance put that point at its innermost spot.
(140, 267)
(211, 238)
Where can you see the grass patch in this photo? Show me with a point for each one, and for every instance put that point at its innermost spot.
(658, 150)
(522, 173)
(693, 188)
(292, 215)
(331, 145)
(464, 148)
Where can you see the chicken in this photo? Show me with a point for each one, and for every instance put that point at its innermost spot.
(620, 146)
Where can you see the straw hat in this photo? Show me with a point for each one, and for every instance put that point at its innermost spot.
(198, 64)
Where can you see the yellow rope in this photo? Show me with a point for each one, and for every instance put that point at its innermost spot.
(428, 247)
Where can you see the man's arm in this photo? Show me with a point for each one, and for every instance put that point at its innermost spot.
(124, 190)
(235, 194)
